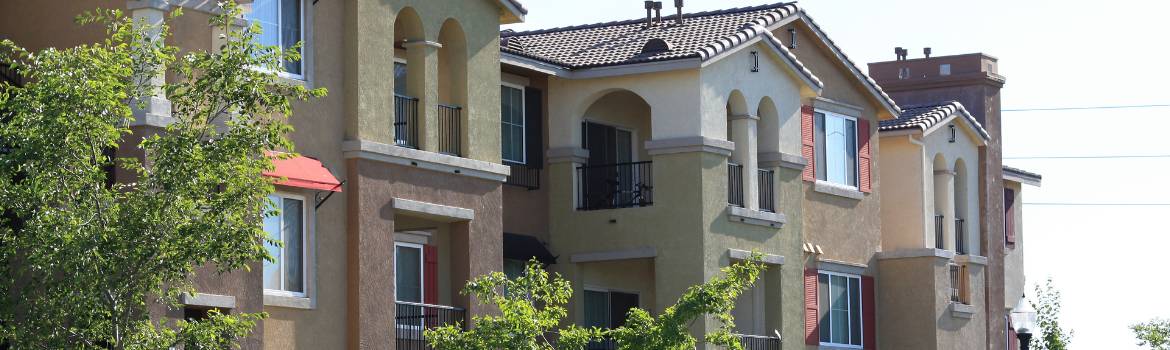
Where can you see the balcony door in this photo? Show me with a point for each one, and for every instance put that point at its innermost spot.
(607, 183)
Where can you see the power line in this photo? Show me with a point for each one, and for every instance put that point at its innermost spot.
(1084, 108)
(1100, 204)
(1094, 157)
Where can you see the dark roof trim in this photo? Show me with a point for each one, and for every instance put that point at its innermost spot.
(668, 19)
(921, 118)
(1021, 176)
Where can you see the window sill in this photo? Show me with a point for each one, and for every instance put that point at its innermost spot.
(755, 217)
(287, 301)
(960, 310)
(838, 190)
(971, 259)
(838, 347)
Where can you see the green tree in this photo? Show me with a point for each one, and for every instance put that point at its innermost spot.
(1155, 334)
(532, 308)
(1047, 305)
(83, 258)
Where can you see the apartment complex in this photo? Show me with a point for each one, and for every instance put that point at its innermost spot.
(636, 158)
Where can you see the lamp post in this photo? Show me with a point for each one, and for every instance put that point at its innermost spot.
(1024, 320)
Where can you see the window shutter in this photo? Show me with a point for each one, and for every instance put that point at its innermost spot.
(864, 158)
(812, 331)
(430, 274)
(1009, 216)
(807, 143)
(868, 314)
(533, 130)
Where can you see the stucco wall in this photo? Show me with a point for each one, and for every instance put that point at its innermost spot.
(907, 223)
(1015, 283)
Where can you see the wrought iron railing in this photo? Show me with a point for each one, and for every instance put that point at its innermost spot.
(735, 184)
(958, 283)
(450, 126)
(612, 186)
(767, 191)
(406, 121)
(960, 237)
(759, 342)
(939, 236)
(524, 176)
(413, 318)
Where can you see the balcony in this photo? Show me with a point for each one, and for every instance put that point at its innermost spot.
(958, 283)
(735, 184)
(759, 342)
(960, 237)
(612, 186)
(412, 319)
(524, 176)
(406, 121)
(767, 191)
(450, 129)
(940, 241)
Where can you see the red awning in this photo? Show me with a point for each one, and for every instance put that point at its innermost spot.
(303, 172)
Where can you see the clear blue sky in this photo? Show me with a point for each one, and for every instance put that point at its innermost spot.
(1107, 260)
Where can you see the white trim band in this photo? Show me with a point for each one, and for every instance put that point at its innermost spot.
(690, 144)
(636, 253)
(755, 217)
(771, 259)
(439, 212)
(381, 152)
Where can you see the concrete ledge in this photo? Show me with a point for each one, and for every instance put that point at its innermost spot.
(209, 300)
(841, 266)
(156, 112)
(438, 212)
(783, 160)
(971, 259)
(387, 153)
(636, 253)
(771, 259)
(422, 43)
(916, 253)
(838, 190)
(288, 301)
(690, 144)
(960, 310)
(755, 217)
(837, 107)
(567, 155)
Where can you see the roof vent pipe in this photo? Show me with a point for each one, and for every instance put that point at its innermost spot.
(678, 4)
(926, 51)
(658, 12)
(649, 15)
(900, 53)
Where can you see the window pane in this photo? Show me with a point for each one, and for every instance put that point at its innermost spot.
(267, 14)
(823, 305)
(624, 146)
(854, 311)
(819, 136)
(596, 309)
(290, 30)
(514, 268)
(408, 274)
(838, 310)
(294, 250)
(850, 152)
(272, 269)
(506, 142)
(518, 144)
(400, 79)
(835, 145)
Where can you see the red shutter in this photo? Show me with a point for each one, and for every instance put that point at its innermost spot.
(1009, 216)
(430, 274)
(808, 143)
(864, 158)
(812, 330)
(868, 314)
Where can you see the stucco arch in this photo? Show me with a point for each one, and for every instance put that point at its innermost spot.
(452, 64)
(408, 26)
(625, 110)
(768, 130)
(736, 104)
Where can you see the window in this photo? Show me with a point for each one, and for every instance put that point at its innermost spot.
(286, 274)
(944, 69)
(281, 25)
(514, 268)
(608, 309)
(840, 308)
(512, 139)
(408, 272)
(836, 148)
(400, 74)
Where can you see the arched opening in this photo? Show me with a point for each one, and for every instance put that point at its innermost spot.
(408, 77)
(738, 188)
(767, 133)
(452, 86)
(962, 233)
(617, 174)
(942, 203)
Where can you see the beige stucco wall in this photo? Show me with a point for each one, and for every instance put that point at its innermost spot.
(907, 223)
(918, 289)
(1015, 283)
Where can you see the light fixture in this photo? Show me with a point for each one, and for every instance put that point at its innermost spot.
(954, 134)
(1024, 321)
(755, 61)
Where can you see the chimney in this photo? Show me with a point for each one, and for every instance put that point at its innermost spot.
(900, 53)
(678, 4)
(926, 51)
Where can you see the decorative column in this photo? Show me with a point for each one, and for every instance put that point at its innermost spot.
(155, 109)
(743, 128)
(944, 194)
(422, 62)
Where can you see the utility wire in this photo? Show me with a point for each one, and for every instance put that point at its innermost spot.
(1094, 157)
(1084, 108)
(1100, 204)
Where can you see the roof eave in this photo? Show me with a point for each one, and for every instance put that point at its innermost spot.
(874, 89)
(1020, 177)
(512, 12)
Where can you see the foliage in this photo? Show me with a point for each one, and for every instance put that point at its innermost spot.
(84, 259)
(532, 306)
(1155, 334)
(1052, 336)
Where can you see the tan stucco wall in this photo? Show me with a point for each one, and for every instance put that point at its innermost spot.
(917, 293)
(907, 221)
(1015, 283)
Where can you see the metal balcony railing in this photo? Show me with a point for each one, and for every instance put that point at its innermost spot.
(759, 342)
(406, 121)
(413, 318)
(611, 186)
(735, 184)
(524, 176)
(767, 192)
(940, 240)
(958, 283)
(960, 237)
(450, 126)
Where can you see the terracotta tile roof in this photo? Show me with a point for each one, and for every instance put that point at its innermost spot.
(922, 117)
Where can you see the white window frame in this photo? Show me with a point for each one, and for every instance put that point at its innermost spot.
(609, 297)
(305, 242)
(860, 313)
(304, 61)
(523, 125)
(856, 153)
(422, 269)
